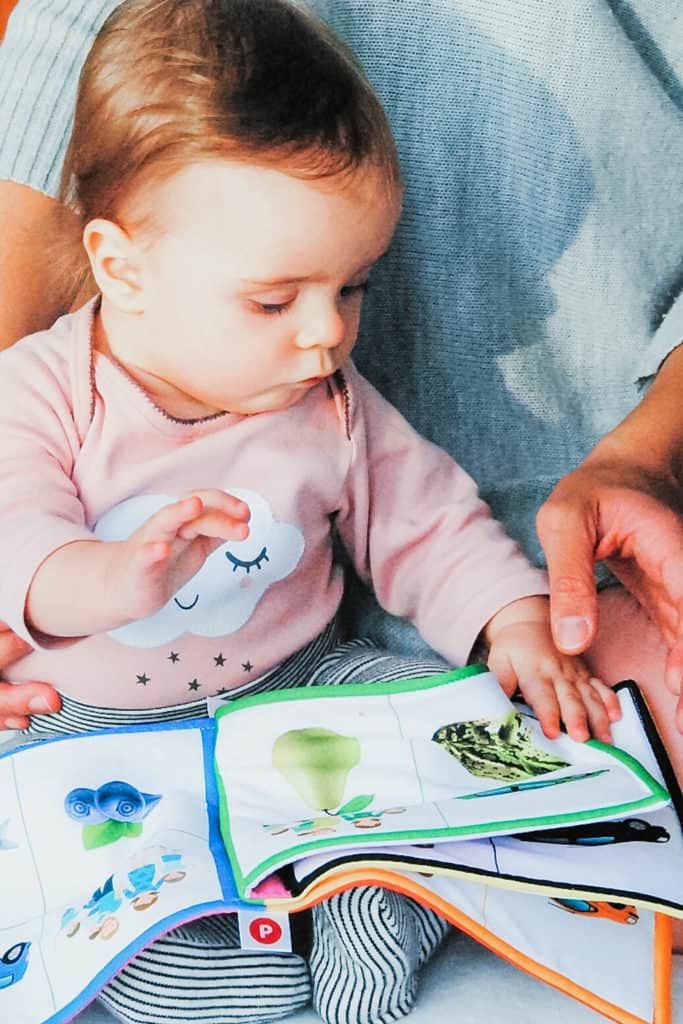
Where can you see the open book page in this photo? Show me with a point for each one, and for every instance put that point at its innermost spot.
(106, 840)
(602, 954)
(635, 859)
(426, 760)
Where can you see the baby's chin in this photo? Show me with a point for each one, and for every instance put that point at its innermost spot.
(276, 400)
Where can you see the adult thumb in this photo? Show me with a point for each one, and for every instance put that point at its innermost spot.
(569, 549)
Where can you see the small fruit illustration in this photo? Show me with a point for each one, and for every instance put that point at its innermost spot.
(316, 763)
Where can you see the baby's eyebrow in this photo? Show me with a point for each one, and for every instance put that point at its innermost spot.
(279, 281)
(271, 282)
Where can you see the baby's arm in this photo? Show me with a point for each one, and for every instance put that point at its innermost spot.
(557, 686)
(91, 586)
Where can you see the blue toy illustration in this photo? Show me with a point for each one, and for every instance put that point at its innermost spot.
(5, 842)
(145, 882)
(109, 813)
(102, 906)
(103, 909)
(13, 964)
(70, 922)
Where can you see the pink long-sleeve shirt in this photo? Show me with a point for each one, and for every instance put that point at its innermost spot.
(84, 452)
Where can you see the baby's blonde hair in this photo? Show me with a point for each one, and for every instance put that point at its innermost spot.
(171, 82)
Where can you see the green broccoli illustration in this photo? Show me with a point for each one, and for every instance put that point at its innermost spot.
(502, 748)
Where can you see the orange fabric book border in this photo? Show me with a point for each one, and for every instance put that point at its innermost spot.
(661, 953)
(5, 11)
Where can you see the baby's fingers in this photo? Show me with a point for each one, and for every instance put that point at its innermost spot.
(215, 523)
(574, 711)
(541, 695)
(602, 707)
(165, 525)
(223, 516)
(224, 502)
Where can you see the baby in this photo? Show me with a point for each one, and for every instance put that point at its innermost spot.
(181, 453)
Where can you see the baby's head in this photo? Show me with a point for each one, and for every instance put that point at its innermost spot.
(235, 178)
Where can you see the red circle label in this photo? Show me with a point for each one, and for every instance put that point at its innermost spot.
(265, 930)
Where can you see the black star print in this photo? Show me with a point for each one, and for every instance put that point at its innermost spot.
(220, 660)
(173, 656)
(143, 679)
(247, 666)
(194, 685)
(219, 693)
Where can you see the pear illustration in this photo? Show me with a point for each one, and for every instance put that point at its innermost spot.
(316, 763)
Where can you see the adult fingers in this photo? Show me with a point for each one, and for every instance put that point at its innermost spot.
(679, 714)
(567, 534)
(11, 646)
(673, 668)
(19, 700)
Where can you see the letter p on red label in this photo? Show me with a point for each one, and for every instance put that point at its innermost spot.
(265, 929)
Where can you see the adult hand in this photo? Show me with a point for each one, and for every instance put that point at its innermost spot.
(624, 505)
(19, 700)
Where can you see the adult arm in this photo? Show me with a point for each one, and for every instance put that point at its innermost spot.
(30, 294)
(624, 505)
(41, 57)
(42, 45)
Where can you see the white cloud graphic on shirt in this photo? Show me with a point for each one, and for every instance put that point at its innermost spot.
(222, 596)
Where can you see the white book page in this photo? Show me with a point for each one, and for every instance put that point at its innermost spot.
(450, 761)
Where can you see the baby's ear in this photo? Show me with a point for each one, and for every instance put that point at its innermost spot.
(114, 259)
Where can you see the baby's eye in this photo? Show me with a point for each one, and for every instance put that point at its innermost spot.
(237, 563)
(351, 291)
(272, 308)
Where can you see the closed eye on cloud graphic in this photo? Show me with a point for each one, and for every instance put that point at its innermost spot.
(222, 596)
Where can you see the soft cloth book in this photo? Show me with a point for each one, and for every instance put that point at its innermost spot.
(438, 787)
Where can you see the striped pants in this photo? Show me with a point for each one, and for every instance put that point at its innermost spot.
(359, 952)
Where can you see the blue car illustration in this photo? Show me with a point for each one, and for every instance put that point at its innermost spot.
(13, 964)
(620, 913)
(107, 814)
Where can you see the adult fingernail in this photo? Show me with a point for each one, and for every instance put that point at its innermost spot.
(572, 631)
(14, 723)
(39, 705)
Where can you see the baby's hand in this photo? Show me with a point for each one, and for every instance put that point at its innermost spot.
(167, 550)
(557, 686)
